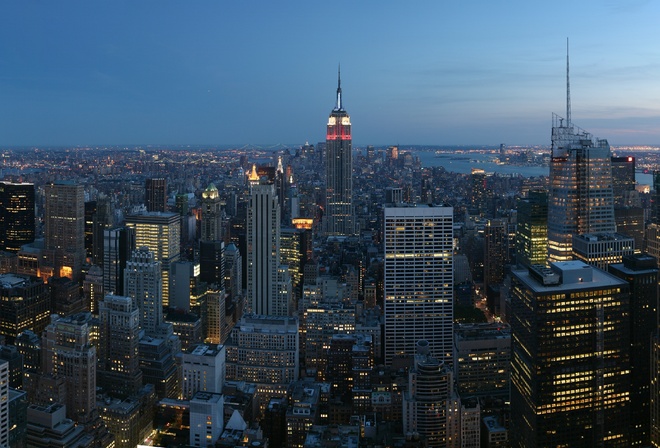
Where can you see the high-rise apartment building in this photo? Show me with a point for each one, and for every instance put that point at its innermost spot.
(264, 285)
(143, 283)
(64, 229)
(339, 217)
(160, 233)
(532, 229)
(570, 368)
(119, 362)
(156, 194)
(16, 215)
(418, 280)
(580, 199)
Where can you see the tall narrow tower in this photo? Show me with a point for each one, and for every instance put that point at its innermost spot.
(580, 199)
(339, 218)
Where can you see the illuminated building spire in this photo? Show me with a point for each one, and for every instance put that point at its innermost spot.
(568, 91)
(253, 177)
(338, 106)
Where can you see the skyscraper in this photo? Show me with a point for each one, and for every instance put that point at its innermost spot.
(339, 219)
(143, 283)
(69, 353)
(263, 251)
(532, 229)
(580, 199)
(119, 362)
(641, 273)
(570, 369)
(156, 195)
(65, 228)
(623, 179)
(160, 233)
(211, 214)
(118, 244)
(16, 215)
(418, 280)
(494, 252)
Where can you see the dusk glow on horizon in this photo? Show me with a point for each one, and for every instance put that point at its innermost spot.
(427, 73)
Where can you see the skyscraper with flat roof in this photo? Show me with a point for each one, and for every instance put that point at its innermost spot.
(339, 218)
(16, 215)
(532, 229)
(160, 233)
(64, 231)
(418, 280)
(570, 366)
(156, 194)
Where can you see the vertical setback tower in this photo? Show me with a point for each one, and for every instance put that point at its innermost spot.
(339, 218)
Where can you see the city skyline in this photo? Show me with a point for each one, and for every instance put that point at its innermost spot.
(168, 73)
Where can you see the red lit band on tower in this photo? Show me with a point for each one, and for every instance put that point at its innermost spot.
(338, 132)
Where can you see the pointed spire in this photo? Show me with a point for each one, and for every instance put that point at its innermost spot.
(280, 168)
(253, 176)
(568, 90)
(338, 106)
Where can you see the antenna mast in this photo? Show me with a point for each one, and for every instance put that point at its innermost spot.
(568, 90)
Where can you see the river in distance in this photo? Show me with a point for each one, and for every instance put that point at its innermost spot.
(464, 162)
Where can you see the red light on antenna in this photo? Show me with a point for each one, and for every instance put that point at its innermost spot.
(630, 159)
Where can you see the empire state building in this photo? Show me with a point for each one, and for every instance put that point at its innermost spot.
(338, 217)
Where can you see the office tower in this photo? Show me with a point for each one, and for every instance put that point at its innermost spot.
(264, 350)
(425, 404)
(630, 222)
(264, 294)
(118, 244)
(93, 289)
(623, 179)
(338, 217)
(211, 214)
(532, 229)
(320, 323)
(160, 233)
(483, 358)
(142, 282)
(158, 367)
(156, 195)
(418, 280)
(188, 290)
(90, 213)
(570, 369)
(206, 419)
(24, 305)
(580, 199)
(602, 249)
(64, 228)
(65, 298)
(655, 390)
(119, 362)
(101, 220)
(212, 262)
(479, 193)
(16, 215)
(187, 326)
(494, 252)
(233, 270)
(294, 244)
(641, 273)
(68, 353)
(202, 369)
(393, 195)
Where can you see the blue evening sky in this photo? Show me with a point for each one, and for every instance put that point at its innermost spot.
(237, 72)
